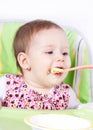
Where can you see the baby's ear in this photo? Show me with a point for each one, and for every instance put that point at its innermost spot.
(23, 60)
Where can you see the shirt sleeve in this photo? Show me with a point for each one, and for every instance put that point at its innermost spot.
(2, 87)
(73, 101)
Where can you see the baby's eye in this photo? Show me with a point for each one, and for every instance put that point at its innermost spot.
(65, 53)
(49, 52)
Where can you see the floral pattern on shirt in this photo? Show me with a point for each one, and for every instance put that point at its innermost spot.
(19, 95)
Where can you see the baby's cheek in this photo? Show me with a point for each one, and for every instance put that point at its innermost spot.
(68, 63)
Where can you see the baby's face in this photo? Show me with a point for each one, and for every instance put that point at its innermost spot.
(49, 48)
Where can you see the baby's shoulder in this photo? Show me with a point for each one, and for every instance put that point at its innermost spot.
(10, 78)
(65, 86)
(13, 78)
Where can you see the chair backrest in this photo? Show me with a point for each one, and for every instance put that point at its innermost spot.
(80, 55)
(80, 80)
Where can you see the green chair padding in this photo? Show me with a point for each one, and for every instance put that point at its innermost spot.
(7, 59)
(80, 80)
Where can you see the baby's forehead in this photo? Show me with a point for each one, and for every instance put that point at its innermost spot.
(50, 32)
(49, 37)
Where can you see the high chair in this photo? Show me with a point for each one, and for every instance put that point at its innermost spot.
(80, 80)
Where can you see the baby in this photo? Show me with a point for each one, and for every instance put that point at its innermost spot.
(39, 46)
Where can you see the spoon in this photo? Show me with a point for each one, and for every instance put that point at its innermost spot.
(59, 70)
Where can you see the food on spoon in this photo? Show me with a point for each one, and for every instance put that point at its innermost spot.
(57, 70)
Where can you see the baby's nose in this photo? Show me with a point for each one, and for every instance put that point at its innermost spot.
(60, 57)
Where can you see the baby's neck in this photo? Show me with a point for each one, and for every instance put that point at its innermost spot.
(36, 87)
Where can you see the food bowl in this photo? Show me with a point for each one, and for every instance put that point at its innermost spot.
(58, 122)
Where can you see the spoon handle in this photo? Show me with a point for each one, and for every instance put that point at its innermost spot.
(80, 67)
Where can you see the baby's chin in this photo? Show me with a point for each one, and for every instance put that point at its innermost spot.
(55, 82)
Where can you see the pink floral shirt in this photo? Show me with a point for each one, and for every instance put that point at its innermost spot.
(19, 95)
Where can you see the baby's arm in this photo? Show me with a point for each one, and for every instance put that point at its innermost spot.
(73, 101)
(2, 89)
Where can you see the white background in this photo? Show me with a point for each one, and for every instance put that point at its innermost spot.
(76, 13)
